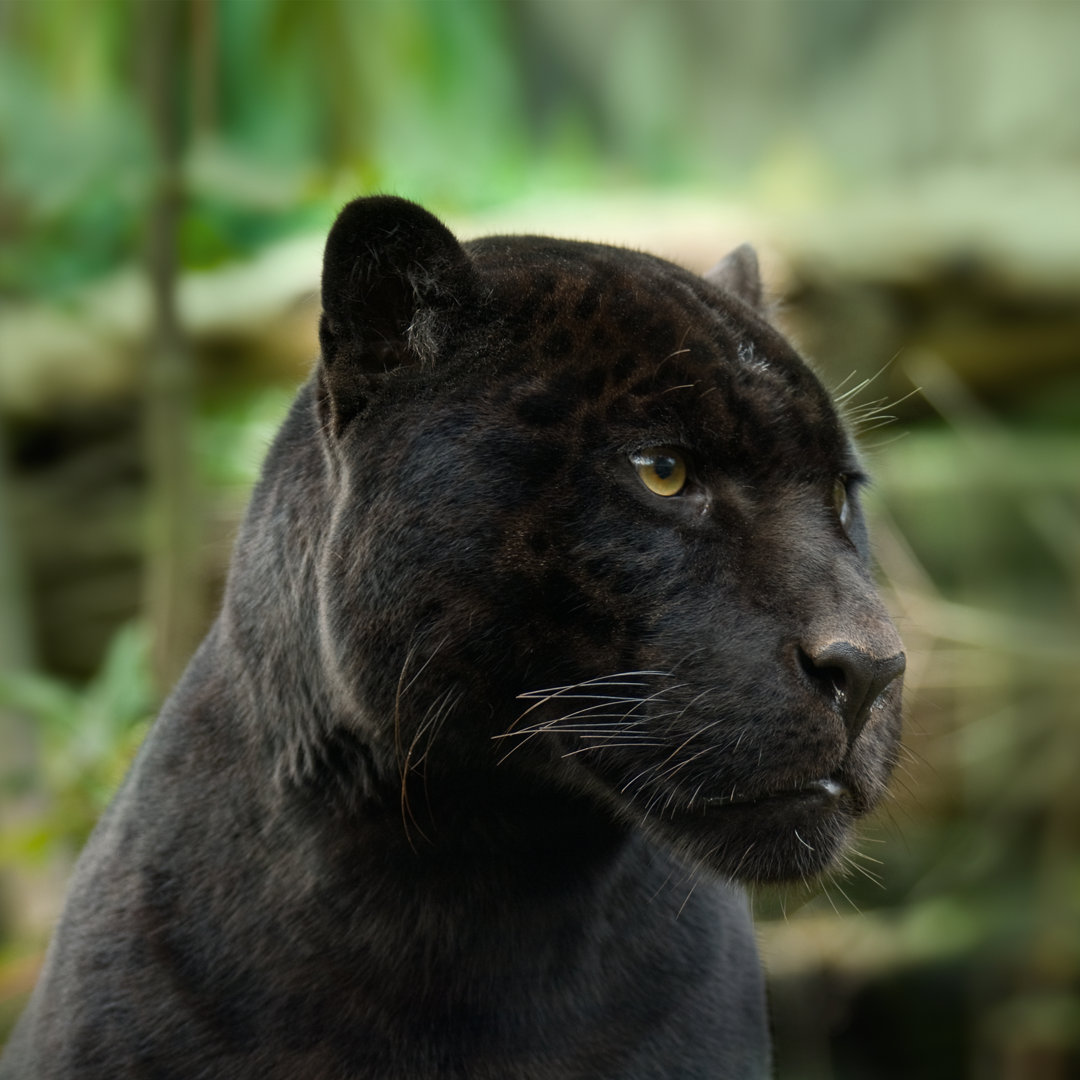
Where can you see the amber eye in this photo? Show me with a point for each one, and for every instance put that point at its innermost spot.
(841, 504)
(662, 470)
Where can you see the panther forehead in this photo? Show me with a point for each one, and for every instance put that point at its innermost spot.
(569, 298)
(595, 336)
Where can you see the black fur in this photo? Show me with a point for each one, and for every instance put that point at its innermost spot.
(460, 779)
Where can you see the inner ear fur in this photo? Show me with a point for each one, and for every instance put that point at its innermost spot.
(738, 273)
(392, 275)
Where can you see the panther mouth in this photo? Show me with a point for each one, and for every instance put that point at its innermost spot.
(826, 793)
(777, 835)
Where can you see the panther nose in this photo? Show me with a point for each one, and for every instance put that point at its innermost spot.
(851, 678)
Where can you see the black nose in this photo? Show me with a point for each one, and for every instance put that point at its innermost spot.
(851, 678)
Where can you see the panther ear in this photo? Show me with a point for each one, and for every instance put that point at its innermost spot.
(737, 272)
(392, 274)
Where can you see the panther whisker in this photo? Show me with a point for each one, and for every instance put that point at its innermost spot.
(668, 768)
(622, 723)
(693, 886)
(558, 723)
(840, 888)
(872, 423)
(672, 770)
(616, 733)
(689, 739)
(613, 729)
(629, 698)
(612, 746)
(864, 407)
(840, 398)
(670, 801)
(540, 697)
(566, 692)
(834, 390)
(607, 680)
(603, 728)
(868, 874)
(402, 688)
(605, 703)
(625, 789)
(545, 725)
(629, 716)
(693, 701)
(434, 718)
(856, 853)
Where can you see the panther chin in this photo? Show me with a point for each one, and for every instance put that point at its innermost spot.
(783, 835)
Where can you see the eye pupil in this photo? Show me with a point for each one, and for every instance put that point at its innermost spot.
(661, 470)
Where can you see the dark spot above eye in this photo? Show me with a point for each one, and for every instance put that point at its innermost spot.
(521, 328)
(660, 336)
(593, 382)
(600, 337)
(560, 343)
(625, 366)
(555, 400)
(587, 306)
(542, 410)
(544, 284)
(539, 542)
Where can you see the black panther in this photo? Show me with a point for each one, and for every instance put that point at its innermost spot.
(550, 623)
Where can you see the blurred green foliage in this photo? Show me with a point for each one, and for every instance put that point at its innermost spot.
(86, 737)
(310, 101)
(234, 433)
(290, 106)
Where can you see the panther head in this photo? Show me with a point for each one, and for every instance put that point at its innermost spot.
(592, 527)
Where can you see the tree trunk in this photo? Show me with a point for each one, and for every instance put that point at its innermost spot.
(173, 572)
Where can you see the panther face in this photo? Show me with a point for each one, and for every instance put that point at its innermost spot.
(597, 531)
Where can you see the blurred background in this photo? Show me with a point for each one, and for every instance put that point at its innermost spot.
(910, 174)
